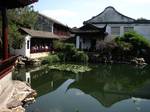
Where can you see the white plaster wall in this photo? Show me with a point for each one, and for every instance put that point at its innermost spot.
(18, 52)
(108, 29)
(28, 77)
(77, 42)
(23, 51)
(52, 27)
(27, 51)
(122, 30)
(143, 30)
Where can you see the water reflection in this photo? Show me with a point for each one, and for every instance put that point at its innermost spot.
(107, 88)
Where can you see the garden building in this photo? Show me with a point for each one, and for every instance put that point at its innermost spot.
(116, 25)
(38, 42)
(88, 36)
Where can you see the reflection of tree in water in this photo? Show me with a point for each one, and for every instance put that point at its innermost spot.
(110, 84)
(107, 83)
(48, 81)
(43, 80)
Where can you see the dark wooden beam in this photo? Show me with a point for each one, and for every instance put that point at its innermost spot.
(4, 33)
(9, 4)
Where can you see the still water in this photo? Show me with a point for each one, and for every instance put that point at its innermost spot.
(107, 88)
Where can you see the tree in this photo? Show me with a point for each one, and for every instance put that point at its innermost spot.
(23, 17)
(19, 17)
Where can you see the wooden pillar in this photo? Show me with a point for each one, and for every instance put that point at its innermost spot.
(4, 33)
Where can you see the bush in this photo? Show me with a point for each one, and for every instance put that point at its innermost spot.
(124, 45)
(52, 58)
(80, 56)
(61, 56)
(136, 40)
(132, 44)
(58, 45)
(65, 47)
(68, 52)
(69, 48)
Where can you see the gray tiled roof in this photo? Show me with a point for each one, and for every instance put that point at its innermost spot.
(42, 34)
(111, 16)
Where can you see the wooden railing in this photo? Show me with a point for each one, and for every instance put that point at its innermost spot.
(39, 50)
(6, 66)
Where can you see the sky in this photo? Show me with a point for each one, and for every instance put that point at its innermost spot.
(74, 12)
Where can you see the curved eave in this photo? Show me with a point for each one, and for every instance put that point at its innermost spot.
(86, 32)
(135, 22)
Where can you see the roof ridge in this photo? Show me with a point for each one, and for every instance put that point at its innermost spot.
(104, 11)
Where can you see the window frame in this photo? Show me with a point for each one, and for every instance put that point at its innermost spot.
(114, 31)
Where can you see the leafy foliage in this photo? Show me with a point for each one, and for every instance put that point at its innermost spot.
(68, 52)
(80, 56)
(15, 38)
(58, 45)
(70, 68)
(133, 44)
(52, 58)
(23, 17)
(134, 41)
(19, 17)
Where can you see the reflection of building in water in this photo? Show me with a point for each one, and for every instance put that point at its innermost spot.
(107, 88)
(43, 80)
(28, 77)
(109, 91)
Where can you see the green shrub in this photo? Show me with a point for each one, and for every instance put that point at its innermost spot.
(68, 52)
(136, 39)
(133, 43)
(66, 47)
(61, 56)
(70, 48)
(52, 58)
(80, 56)
(124, 45)
(58, 44)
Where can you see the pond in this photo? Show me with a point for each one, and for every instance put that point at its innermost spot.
(107, 88)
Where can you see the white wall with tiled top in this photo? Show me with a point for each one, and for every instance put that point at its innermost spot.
(23, 51)
(143, 30)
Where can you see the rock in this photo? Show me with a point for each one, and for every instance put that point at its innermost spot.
(0, 89)
(36, 62)
(18, 94)
(14, 104)
(18, 109)
(29, 99)
(138, 61)
(5, 110)
(20, 64)
(31, 95)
